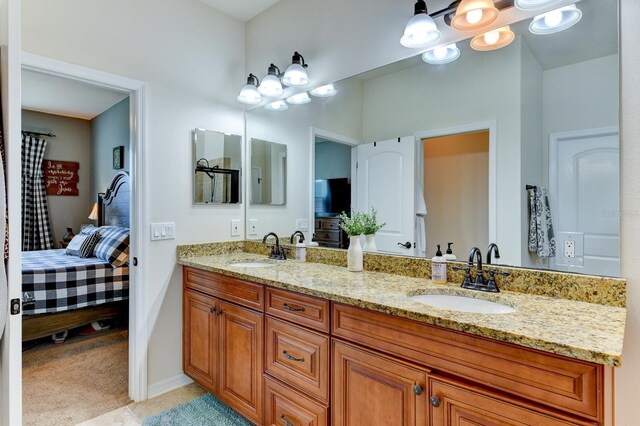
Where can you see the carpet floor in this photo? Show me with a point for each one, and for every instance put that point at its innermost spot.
(205, 410)
(65, 384)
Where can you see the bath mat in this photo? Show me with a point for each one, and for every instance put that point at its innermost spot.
(206, 410)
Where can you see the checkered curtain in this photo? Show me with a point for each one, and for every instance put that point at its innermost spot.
(36, 231)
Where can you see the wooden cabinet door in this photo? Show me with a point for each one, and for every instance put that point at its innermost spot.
(200, 339)
(458, 405)
(284, 407)
(371, 389)
(241, 354)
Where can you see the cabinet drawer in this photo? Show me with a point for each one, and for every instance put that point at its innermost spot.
(298, 357)
(286, 407)
(548, 379)
(330, 224)
(228, 288)
(323, 235)
(298, 308)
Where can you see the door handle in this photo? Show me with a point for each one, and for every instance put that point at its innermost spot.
(406, 245)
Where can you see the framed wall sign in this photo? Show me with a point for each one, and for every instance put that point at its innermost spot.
(61, 177)
(118, 157)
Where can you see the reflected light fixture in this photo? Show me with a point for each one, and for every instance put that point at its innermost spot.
(324, 91)
(277, 106)
(299, 99)
(556, 20)
(534, 4)
(474, 14)
(421, 30)
(271, 85)
(494, 39)
(249, 93)
(441, 55)
(296, 73)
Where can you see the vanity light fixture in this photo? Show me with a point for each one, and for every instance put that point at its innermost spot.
(441, 55)
(249, 93)
(493, 40)
(421, 30)
(296, 73)
(474, 14)
(556, 20)
(271, 85)
(324, 91)
(277, 106)
(534, 4)
(299, 99)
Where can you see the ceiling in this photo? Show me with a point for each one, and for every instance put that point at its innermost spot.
(243, 10)
(62, 96)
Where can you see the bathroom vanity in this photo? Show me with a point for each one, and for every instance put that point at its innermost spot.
(313, 344)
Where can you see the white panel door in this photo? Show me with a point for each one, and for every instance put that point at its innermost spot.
(385, 179)
(584, 180)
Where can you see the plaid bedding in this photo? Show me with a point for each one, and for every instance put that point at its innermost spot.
(54, 282)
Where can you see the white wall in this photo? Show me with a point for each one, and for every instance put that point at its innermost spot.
(333, 160)
(72, 143)
(192, 60)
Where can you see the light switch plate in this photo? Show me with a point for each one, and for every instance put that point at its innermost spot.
(302, 224)
(163, 231)
(235, 227)
(253, 227)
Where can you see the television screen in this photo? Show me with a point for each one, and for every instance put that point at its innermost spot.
(332, 196)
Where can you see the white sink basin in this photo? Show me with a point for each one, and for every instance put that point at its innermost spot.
(252, 265)
(463, 304)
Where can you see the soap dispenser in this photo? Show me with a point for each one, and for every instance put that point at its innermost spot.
(439, 267)
(449, 254)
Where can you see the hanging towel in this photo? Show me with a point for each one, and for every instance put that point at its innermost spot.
(421, 212)
(542, 240)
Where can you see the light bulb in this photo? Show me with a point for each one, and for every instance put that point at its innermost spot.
(474, 16)
(553, 19)
(491, 37)
(440, 52)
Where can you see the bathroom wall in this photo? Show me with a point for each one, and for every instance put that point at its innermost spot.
(72, 143)
(333, 160)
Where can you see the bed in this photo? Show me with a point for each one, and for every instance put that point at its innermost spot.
(61, 292)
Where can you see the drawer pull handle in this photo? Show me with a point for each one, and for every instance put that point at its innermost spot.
(435, 401)
(284, 420)
(291, 357)
(292, 308)
(417, 389)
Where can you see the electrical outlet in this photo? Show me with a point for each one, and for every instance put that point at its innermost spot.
(569, 248)
(235, 228)
(302, 224)
(253, 226)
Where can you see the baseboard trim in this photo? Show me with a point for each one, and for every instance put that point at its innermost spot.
(167, 385)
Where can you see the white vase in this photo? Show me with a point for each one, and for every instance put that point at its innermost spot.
(354, 254)
(370, 243)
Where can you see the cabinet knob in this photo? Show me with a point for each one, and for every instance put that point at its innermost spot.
(213, 310)
(435, 401)
(284, 420)
(219, 312)
(417, 389)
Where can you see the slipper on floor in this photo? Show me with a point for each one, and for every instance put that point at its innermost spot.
(60, 337)
(92, 328)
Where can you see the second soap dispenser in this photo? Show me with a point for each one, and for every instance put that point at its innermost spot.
(439, 268)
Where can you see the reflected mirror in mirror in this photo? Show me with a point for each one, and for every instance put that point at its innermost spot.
(217, 160)
(268, 173)
(517, 146)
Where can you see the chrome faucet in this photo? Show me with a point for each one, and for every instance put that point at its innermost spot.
(493, 248)
(277, 252)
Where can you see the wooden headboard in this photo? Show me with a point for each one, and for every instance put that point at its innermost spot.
(114, 205)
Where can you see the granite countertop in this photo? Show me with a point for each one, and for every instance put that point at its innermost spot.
(580, 330)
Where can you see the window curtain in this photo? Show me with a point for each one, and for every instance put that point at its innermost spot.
(36, 231)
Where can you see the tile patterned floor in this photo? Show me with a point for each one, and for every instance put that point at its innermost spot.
(135, 413)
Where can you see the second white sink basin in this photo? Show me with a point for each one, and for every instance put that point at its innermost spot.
(252, 265)
(463, 304)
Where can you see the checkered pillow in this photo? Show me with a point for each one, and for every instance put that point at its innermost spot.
(83, 245)
(113, 247)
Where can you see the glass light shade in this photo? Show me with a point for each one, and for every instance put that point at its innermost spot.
(94, 212)
(473, 14)
(493, 40)
(441, 55)
(270, 86)
(277, 106)
(556, 20)
(249, 95)
(421, 31)
(324, 91)
(295, 76)
(534, 4)
(299, 99)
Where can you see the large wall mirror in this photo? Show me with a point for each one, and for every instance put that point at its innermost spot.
(217, 166)
(517, 146)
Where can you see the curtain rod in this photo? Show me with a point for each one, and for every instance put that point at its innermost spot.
(50, 135)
